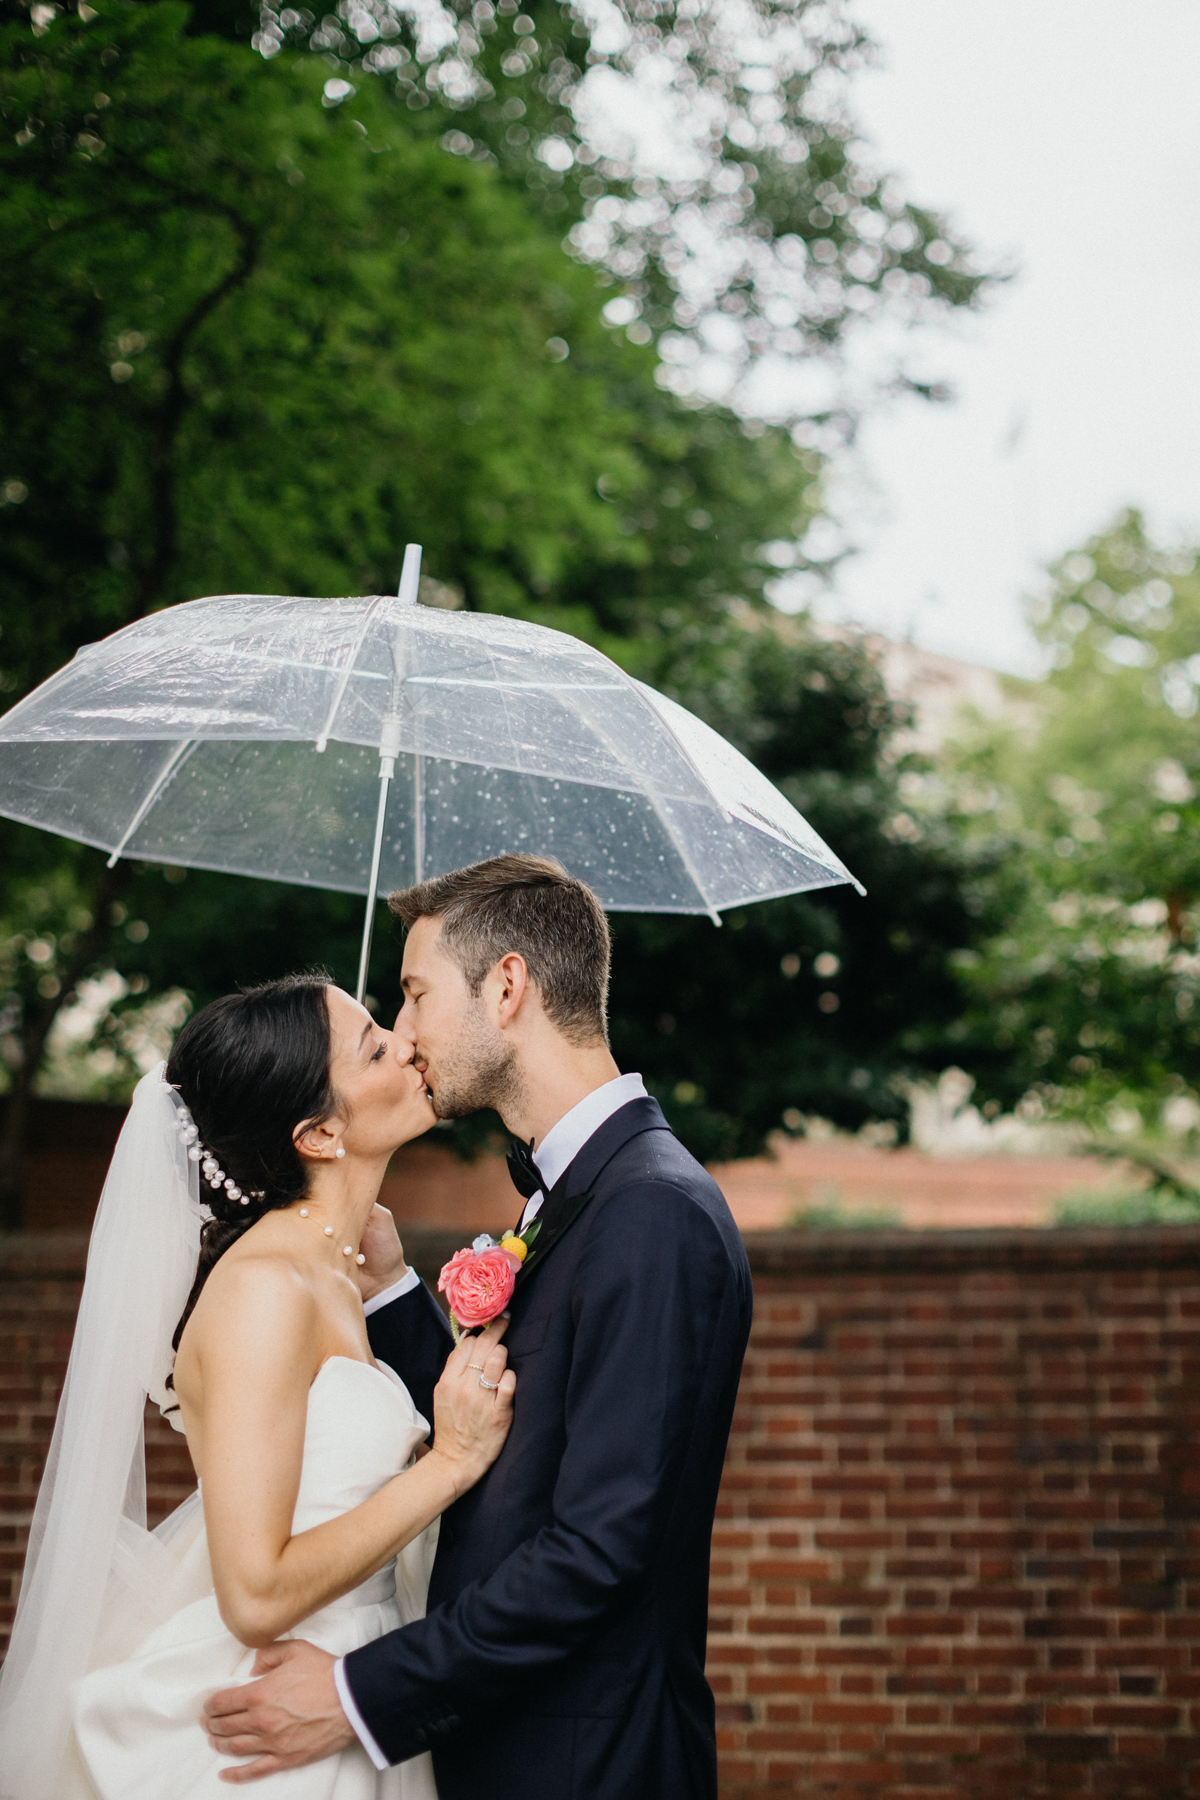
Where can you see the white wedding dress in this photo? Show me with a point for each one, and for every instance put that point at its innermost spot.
(137, 1730)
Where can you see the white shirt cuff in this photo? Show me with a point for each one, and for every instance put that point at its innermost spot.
(352, 1713)
(405, 1286)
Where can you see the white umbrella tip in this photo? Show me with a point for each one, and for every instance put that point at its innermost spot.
(410, 574)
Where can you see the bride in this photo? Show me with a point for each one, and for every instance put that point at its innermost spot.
(318, 1502)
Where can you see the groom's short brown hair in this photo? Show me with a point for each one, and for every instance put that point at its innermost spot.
(527, 904)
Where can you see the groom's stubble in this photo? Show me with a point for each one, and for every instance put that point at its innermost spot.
(481, 1072)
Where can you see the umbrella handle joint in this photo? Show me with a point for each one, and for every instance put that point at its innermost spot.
(389, 747)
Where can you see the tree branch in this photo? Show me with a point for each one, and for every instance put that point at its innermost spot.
(170, 415)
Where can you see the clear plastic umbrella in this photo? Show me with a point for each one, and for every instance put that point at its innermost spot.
(366, 744)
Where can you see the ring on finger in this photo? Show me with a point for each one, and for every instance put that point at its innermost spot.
(478, 1366)
(492, 1385)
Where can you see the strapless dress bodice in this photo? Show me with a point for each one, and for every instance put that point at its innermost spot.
(362, 1429)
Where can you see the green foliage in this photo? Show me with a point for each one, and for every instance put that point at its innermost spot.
(1139, 1206)
(832, 1214)
(44, 914)
(813, 1003)
(1087, 1000)
(771, 216)
(255, 342)
(154, 929)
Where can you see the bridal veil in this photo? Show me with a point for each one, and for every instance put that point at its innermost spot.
(89, 1542)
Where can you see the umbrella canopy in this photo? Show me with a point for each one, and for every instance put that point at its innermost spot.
(248, 733)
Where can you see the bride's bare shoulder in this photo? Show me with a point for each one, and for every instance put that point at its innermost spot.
(256, 1303)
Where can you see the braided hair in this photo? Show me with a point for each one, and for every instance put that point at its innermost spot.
(250, 1068)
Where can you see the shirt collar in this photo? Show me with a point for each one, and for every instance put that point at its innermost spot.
(563, 1142)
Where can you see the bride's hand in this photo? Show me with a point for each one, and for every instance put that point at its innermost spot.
(380, 1244)
(471, 1420)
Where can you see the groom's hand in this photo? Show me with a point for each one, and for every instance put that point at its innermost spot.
(380, 1244)
(290, 1717)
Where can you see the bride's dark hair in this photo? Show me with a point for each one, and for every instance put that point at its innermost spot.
(250, 1068)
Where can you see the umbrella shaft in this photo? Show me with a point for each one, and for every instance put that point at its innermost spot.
(418, 819)
(385, 782)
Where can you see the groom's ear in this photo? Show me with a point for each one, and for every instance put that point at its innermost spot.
(510, 983)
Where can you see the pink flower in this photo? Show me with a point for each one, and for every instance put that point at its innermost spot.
(456, 1262)
(479, 1285)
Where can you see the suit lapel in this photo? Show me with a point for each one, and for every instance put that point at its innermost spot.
(560, 1211)
(571, 1193)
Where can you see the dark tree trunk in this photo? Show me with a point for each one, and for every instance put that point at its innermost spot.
(1177, 905)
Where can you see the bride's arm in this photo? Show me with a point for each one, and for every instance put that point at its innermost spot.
(254, 1360)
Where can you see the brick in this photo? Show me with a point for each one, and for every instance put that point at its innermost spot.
(1146, 1718)
(1066, 1747)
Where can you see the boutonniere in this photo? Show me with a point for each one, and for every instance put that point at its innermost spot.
(478, 1282)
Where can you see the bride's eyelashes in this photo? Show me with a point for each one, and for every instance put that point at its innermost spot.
(380, 1052)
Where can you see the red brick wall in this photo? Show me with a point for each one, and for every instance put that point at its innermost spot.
(959, 1533)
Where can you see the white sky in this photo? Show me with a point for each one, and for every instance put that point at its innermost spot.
(1062, 137)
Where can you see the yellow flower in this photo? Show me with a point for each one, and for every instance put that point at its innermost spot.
(516, 1247)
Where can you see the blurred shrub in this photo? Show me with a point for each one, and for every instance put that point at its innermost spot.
(1137, 1206)
(833, 1214)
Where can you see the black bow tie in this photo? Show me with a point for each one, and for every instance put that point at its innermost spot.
(523, 1170)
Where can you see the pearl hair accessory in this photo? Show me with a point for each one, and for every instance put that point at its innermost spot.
(214, 1174)
(210, 1168)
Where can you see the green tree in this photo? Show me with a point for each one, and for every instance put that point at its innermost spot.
(1086, 1002)
(249, 336)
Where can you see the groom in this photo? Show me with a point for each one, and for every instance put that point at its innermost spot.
(563, 1651)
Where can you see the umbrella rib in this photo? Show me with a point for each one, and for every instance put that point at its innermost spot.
(500, 688)
(344, 678)
(173, 762)
(691, 763)
(619, 755)
(630, 683)
(685, 859)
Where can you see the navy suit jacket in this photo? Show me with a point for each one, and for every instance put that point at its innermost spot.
(563, 1651)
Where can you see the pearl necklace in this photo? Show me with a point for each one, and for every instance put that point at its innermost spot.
(347, 1249)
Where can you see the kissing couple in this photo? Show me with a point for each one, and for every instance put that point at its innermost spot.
(349, 1608)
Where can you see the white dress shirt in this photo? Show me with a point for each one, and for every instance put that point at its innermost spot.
(557, 1151)
(563, 1142)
